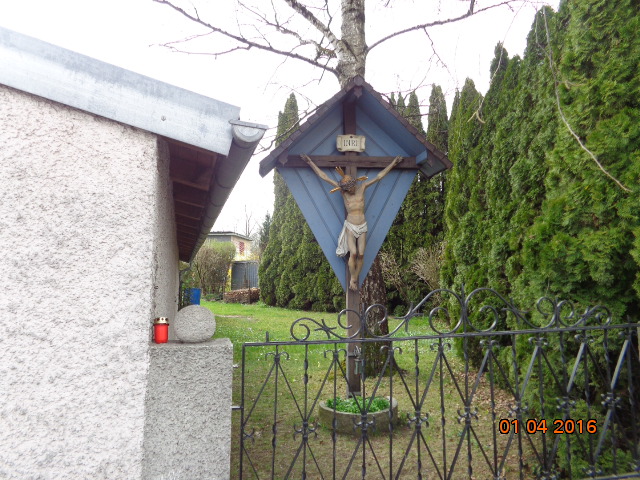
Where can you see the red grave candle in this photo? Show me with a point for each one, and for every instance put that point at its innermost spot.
(161, 330)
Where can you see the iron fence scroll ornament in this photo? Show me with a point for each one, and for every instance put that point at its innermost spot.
(558, 314)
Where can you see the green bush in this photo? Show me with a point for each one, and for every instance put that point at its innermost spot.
(211, 266)
(357, 404)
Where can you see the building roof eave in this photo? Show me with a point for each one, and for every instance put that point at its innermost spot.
(209, 146)
(246, 137)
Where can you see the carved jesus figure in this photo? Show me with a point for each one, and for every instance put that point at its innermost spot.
(353, 238)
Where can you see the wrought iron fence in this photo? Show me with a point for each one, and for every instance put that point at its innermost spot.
(483, 390)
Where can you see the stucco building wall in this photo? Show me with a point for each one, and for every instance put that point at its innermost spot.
(165, 253)
(188, 414)
(81, 200)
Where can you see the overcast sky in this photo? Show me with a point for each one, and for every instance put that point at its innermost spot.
(128, 33)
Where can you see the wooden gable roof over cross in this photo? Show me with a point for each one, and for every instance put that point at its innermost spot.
(355, 110)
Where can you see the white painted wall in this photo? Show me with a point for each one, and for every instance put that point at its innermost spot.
(248, 248)
(86, 236)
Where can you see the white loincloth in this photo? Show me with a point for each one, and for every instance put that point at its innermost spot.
(357, 230)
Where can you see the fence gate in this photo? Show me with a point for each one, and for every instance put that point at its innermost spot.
(479, 389)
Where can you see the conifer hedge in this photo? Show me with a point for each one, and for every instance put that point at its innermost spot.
(528, 211)
(293, 271)
(419, 222)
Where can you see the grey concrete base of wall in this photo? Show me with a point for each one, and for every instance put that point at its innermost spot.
(345, 421)
(187, 431)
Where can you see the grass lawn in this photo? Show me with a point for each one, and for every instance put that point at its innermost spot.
(281, 395)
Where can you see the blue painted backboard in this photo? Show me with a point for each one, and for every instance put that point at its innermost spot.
(325, 212)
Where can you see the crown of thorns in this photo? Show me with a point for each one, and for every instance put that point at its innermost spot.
(347, 182)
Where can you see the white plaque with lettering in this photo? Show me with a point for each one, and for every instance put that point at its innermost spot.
(350, 143)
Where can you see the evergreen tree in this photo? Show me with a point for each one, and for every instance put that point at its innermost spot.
(503, 183)
(419, 223)
(438, 123)
(535, 134)
(464, 132)
(392, 100)
(505, 189)
(263, 234)
(582, 245)
(270, 266)
(412, 112)
(438, 135)
(401, 105)
(528, 212)
(496, 154)
(293, 271)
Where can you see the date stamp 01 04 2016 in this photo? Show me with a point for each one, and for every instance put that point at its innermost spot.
(559, 426)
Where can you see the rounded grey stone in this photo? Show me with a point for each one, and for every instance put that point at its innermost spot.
(195, 324)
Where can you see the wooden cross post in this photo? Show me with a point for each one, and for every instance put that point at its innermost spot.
(353, 296)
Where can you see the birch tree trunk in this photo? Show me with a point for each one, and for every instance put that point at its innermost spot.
(352, 46)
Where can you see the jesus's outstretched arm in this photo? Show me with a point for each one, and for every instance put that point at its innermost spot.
(319, 172)
(384, 172)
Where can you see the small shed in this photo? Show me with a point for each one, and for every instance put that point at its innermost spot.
(125, 175)
(244, 274)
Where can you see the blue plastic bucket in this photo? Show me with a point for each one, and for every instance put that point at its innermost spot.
(193, 294)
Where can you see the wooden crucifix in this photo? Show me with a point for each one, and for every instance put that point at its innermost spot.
(352, 240)
(353, 236)
(386, 135)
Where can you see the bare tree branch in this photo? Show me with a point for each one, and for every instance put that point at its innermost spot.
(437, 55)
(313, 20)
(436, 23)
(280, 27)
(171, 46)
(269, 141)
(244, 41)
(477, 113)
(326, 9)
